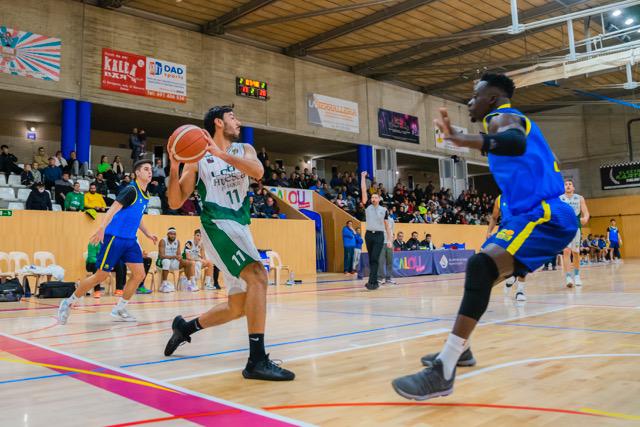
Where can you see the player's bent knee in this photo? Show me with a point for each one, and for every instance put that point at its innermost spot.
(482, 272)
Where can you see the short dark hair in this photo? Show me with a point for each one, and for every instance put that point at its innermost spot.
(197, 231)
(137, 165)
(4, 146)
(216, 112)
(428, 235)
(569, 180)
(612, 219)
(500, 81)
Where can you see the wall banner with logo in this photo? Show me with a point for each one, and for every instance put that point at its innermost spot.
(622, 175)
(448, 145)
(398, 126)
(29, 55)
(296, 197)
(143, 76)
(333, 113)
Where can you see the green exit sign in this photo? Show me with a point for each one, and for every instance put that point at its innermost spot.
(6, 212)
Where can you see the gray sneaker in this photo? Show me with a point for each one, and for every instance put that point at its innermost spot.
(390, 282)
(122, 315)
(465, 359)
(426, 384)
(63, 311)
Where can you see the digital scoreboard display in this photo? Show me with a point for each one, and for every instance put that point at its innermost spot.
(251, 88)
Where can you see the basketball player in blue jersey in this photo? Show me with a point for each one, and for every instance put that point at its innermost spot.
(540, 225)
(117, 233)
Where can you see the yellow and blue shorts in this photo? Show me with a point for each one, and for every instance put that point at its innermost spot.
(534, 237)
(116, 249)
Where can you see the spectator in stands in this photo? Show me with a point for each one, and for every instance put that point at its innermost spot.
(39, 199)
(26, 177)
(340, 202)
(253, 210)
(142, 136)
(413, 244)
(263, 157)
(73, 165)
(273, 181)
(398, 243)
(135, 145)
(61, 162)
(117, 167)
(35, 170)
(270, 209)
(8, 162)
(268, 170)
(360, 213)
(348, 244)
(282, 180)
(357, 250)
(109, 176)
(101, 185)
(41, 157)
(62, 186)
(94, 200)
(427, 243)
(126, 180)
(260, 199)
(158, 172)
(188, 207)
(51, 173)
(74, 201)
(417, 218)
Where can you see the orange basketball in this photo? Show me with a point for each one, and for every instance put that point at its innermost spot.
(188, 143)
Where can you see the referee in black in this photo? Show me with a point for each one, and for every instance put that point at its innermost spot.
(376, 227)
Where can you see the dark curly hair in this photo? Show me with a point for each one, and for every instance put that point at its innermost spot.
(500, 81)
(216, 112)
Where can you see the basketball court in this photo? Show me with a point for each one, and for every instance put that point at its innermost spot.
(565, 357)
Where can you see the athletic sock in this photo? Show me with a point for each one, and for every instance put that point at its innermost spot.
(207, 280)
(520, 287)
(73, 298)
(576, 272)
(569, 276)
(122, 303)
(450, 354)
(256, 347)
(192, 326)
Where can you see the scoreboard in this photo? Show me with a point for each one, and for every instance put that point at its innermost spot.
(251, 88)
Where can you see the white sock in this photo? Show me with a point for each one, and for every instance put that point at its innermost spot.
(193, 280)
(520, 287)
(450, 354)
(122, 303)
(207, 280)
(73, 298)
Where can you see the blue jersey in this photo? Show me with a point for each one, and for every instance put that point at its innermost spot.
(125, 223)
(613, 234)
(528, 179)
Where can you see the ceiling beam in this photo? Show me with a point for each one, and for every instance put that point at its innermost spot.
(369, 67)
(217, 26)
(311, 14)
(300, 48)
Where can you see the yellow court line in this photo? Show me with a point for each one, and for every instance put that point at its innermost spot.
(84, 371)
(611, 414)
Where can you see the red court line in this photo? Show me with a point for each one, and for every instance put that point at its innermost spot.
(177, 417)
(452, 404)
(166, 398)
(52, 325)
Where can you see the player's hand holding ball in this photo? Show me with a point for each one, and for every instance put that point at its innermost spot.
(187, 144)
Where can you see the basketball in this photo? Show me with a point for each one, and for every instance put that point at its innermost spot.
(188, 143)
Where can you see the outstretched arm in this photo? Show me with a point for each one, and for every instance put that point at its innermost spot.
(363, 187)
(506, 137)
(180, 187)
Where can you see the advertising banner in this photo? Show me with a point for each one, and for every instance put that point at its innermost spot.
(623, 175)
(333, 113)
(398, 126)
(419, 263)
(448, 145)
(29, 55)
(143, 76)
(296, 197)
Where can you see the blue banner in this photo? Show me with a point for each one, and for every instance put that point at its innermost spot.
(419, 263)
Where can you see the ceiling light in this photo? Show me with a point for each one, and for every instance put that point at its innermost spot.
(629, 21)
(616, 12)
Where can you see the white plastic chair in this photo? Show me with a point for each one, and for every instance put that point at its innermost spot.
(23, 194)
(42, 259)
(16, 206)
(3, 180)
(154, 212)
(154, 202)
(56, 207)
(7, 193)
(5, 266)
(84, 185)
(275, 265)
(18, 260)
(111, 196)
(15, 181)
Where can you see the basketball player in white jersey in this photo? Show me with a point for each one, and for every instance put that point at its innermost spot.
(194, 251)
(582, 214)
(222, 179)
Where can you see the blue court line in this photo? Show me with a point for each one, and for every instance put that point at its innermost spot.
(361, 313)
(567, 328)
(176, 359)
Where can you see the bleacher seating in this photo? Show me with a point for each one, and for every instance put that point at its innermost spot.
(3, 180)
(14, 181)
(23, 194)
(7, 193)
(56, 207)
(16, 206)
(154, 202)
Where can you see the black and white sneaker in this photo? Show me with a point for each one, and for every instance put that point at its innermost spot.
(426, 384)
(266, 370)
(178, 338)
(466, 359)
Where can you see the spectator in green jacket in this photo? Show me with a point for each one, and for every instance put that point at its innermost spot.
(92, 254)
(74, 201)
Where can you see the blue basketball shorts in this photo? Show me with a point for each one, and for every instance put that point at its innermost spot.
(116, 249)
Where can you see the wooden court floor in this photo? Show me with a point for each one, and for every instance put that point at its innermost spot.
(566, 357)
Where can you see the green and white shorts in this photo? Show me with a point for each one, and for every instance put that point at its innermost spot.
(229, 245)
